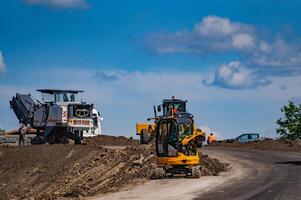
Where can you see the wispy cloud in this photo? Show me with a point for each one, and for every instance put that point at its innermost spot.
(59, 3)
(106, 76)
(260, 57)
(2, 64)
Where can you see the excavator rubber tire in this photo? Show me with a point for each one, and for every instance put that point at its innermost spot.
(159, 173)
(195, 172)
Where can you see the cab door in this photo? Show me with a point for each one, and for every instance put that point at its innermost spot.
(167, 138)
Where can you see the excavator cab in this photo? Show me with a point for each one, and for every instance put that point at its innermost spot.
(172, 105)
(176, 147)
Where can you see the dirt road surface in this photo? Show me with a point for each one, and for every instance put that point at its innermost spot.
(255, 175)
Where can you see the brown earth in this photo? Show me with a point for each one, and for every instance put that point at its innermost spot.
(269, 144)
(71, 171)
(211, 166)
(111, 140)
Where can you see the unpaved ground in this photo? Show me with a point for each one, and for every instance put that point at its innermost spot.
(279, 145)
(72, 171)
(108, 140)
(255, 174)
(181, 188)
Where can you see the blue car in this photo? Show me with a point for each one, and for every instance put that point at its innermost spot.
(248, 137)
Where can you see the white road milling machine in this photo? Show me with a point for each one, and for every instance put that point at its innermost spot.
(59, 117)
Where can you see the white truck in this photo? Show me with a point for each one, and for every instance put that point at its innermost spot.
(59, 117)
(96, 129)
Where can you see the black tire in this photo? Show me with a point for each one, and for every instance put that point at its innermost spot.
(160, 173)
(37, 140)
(51, 139)
(195, 172)
(77, 139)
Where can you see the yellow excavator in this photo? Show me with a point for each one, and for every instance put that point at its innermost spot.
(176, 139)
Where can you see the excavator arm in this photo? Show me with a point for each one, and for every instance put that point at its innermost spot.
(198, 137)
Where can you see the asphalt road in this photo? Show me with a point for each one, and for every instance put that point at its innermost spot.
(254, 175)
(263, 175)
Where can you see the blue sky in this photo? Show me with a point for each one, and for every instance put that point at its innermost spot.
(237, 62)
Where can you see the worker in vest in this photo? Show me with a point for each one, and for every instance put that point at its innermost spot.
(211, 139)
(22, 134)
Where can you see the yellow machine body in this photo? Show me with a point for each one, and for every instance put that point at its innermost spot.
(181, 159)
(177, 139)
(144, 126)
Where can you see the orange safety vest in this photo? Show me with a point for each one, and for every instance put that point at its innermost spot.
(211, 138)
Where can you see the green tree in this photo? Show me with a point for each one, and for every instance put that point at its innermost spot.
(290, 125)
(2, 131)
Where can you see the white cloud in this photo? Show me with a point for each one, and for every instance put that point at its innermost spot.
(59, 3)
(278, 53)
(243, 41)
(214, 26)
(264, 47)
(2, 64)
(261, 58)
(234, 75)
(212, 34)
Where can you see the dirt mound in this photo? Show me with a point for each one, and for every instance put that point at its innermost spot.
(53, 171)
(212, 167)
(111, 141)
(280, 145)
(50, 171)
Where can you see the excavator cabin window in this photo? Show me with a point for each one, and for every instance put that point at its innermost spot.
(167, 138)
(185, 129)
(173, 106)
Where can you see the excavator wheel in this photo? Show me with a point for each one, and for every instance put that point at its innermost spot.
(195, 172)
(159, 173)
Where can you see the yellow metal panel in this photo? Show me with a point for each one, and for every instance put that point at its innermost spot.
(141, 126)
(181, 159)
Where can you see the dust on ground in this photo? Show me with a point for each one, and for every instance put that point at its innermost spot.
(268, 144)
(72, 171)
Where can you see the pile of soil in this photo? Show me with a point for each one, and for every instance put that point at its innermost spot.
(58, 171)
(212, 166)
(111, 141)
(269, 144)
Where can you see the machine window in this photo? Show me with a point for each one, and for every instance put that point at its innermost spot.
(254, 136)
(167, 139)
(243, 137)
(185, 129)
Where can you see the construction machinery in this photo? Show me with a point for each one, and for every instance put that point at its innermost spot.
(59, 117)
(176, 139)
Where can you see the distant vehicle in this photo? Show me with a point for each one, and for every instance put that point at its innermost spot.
(96, 129)
(246, 137)
(59, 117)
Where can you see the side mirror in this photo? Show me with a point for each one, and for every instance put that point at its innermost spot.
(159, 108)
